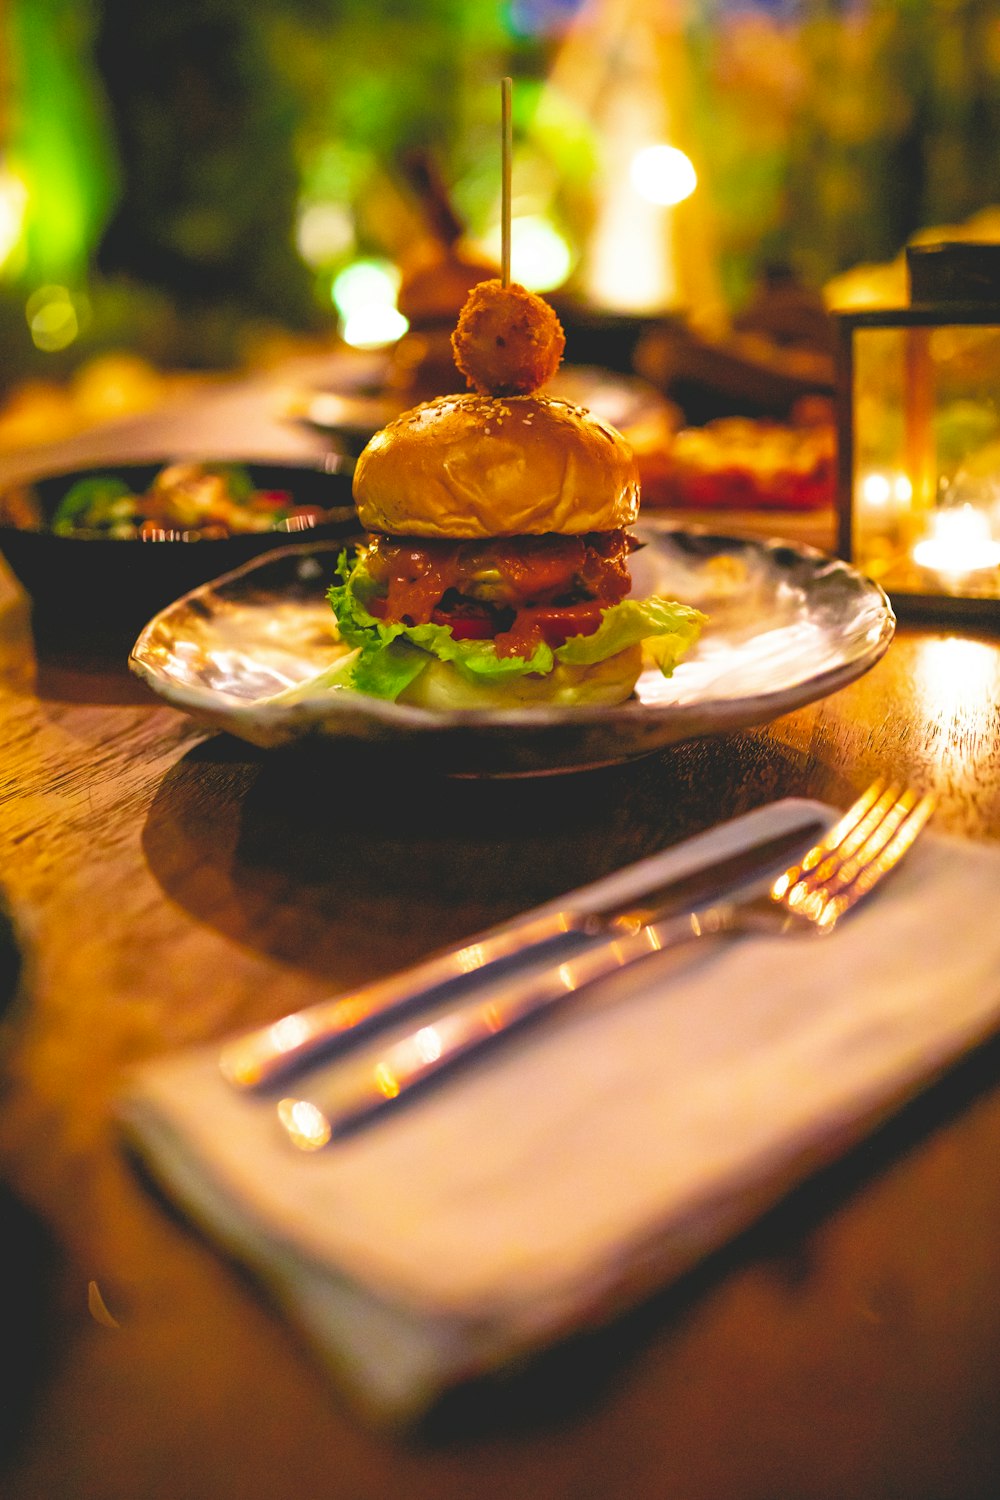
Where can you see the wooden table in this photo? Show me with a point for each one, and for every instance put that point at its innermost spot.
(171, 887)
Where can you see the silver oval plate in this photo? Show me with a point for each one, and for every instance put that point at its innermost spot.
(786, 625)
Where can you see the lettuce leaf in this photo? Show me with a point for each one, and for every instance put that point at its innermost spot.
(391, 656)
(671, 628)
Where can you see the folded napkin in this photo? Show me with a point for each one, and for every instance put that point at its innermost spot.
(602, 1152)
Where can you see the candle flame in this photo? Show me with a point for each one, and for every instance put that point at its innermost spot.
(960, 542)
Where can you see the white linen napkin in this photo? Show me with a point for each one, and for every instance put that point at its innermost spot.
(603, 1152)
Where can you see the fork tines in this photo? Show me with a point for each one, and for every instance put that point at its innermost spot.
(856, 853)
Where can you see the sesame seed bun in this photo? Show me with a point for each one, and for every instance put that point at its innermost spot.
(473, 466)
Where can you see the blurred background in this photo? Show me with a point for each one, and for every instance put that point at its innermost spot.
(209, 186)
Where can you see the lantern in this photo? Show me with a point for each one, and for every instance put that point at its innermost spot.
(918, 431)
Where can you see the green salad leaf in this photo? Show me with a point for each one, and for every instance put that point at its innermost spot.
(92, 503)
(392, 655)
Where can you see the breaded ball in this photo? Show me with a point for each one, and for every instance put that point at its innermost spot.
(508, 342)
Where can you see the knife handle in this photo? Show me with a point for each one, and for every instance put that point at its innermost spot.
(270, 1053)
(458, 1035)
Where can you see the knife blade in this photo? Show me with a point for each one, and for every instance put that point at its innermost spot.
(268, 1054)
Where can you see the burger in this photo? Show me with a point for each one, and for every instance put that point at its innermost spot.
(495, 572)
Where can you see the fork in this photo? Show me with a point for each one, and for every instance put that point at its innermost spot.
(808, 898)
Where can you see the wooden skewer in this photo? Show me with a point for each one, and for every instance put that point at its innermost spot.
(505, 85)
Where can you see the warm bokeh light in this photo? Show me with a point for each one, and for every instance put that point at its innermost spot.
(960, 542)
(662, 174)
(324, 233)
(877, 491)
(373, 326)
(13, 203)
(365, 296)
(633, 262)
(540, 257)
(365, 283)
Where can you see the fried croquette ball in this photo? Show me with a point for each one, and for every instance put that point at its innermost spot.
(508, 342)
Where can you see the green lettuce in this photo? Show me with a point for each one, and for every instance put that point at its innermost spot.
(391, 656)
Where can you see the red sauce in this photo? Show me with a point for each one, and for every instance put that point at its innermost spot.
(553, 624)
(542, 588)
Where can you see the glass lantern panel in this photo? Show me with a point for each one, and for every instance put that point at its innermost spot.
(926, 480)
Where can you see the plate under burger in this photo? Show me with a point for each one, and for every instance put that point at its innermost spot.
(786, 625)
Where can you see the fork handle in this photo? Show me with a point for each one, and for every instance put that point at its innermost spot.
(461, 1034)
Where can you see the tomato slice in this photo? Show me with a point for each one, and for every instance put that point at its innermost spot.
(467, 622)
(551, 623)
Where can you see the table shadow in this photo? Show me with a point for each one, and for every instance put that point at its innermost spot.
(326, 856)
(28, 1251)
(75, 667)
(11, 958)
(31, 1261)
(90, 678)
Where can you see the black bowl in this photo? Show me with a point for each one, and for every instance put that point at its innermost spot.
(98, 592)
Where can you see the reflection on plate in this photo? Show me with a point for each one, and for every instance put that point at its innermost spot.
(787, 625)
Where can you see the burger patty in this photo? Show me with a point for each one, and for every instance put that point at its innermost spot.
(516, 591)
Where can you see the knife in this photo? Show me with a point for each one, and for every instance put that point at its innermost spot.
(270, 1053)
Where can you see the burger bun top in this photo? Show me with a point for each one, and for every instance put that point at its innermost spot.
(471, 466)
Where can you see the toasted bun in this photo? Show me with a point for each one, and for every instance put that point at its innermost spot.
(443, 687)
(478, 466)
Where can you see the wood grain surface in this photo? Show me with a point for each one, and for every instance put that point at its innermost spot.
(167, 887)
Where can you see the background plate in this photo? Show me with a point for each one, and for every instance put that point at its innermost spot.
(92, 589)
(349, 417)
(786, 625)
